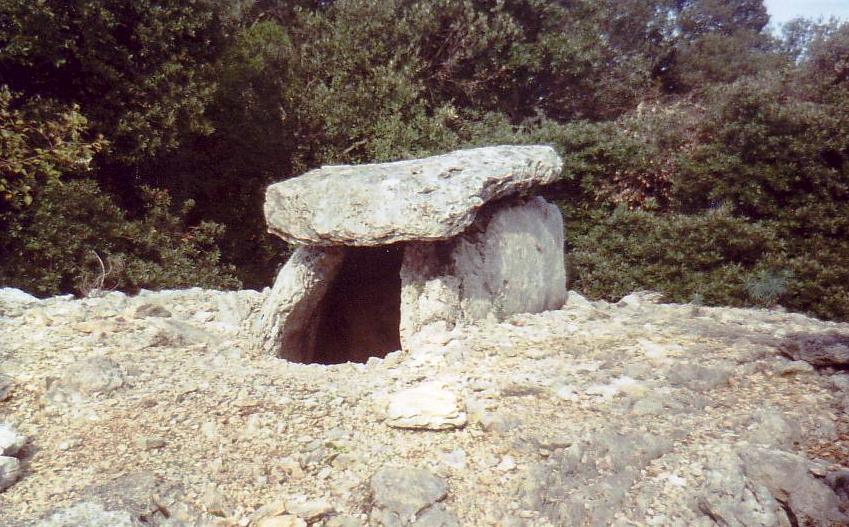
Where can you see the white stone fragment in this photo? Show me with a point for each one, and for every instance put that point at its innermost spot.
(507, 464)
(428, 406)
(10, 440)
(10, 471)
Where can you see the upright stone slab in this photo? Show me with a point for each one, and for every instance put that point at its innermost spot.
(414, 248)
(288, 318)
(509, 261)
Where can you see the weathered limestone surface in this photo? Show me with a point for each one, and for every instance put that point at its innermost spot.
(88, 514)
(818, 350)
(422, 199)
(510, 261)
(602, 414)
(287, 318)
(429, 406)
(403, 494)
(451, 235)
(515, 264)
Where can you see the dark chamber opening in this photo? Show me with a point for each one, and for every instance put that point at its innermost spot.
(360, 315)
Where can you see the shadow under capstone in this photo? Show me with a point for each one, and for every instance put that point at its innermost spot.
(359, 317)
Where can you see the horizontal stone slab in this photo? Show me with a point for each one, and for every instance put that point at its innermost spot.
(433, 198)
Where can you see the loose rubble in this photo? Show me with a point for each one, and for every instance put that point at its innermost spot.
(157, 410)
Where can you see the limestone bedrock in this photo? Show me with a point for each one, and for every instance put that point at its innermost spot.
(434, 198)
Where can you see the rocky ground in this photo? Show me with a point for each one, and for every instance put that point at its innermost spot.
(155, 410)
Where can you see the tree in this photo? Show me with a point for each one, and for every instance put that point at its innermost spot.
(39, 141)
(140, 71)
(716, 41)
(827, 54)
(696, 18)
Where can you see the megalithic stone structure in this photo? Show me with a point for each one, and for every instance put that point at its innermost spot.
(392, 251)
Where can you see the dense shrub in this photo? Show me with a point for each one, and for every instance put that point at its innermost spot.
(818, 276)
(775, 163)
(39, 141)
(75, 239)
(768, 154)
(683, 256)
(140, 71)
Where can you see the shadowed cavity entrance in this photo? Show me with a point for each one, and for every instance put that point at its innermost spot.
(360, 315)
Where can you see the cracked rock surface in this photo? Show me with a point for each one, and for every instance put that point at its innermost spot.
(433, 198)
(156, 410)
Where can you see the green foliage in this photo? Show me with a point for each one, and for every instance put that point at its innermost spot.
(827, 57)
(58, 241)
(768, 154)
(523, 58)
(755, 151)
(679, 255)
(700, 17)
(64, 237)
(38, 142)
(697, 43)
(140, 71)
(767, 286)
(703, 157)
(718, 58)
(820, 274)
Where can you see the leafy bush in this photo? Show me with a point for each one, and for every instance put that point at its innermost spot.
(820, 274)
(72, 237)
(767, 286)
(679, 255)
(140, 71)
(58, 244)
(38, 142)
(775, 166)
(767, 153)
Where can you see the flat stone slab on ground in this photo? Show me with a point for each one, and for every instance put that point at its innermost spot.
(429, 406)
(406, 491)
(818, 350)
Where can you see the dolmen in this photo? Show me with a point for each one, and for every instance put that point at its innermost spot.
(391, 255)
